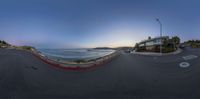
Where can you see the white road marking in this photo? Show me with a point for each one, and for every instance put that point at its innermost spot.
(189, 57)
(184, 64)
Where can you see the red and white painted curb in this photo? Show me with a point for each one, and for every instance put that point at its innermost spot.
(74, 68)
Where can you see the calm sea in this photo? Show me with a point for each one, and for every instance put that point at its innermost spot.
(75, 54)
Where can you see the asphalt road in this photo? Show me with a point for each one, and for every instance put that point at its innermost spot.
(129, 76)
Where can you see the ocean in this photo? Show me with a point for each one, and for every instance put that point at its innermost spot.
(75, 54)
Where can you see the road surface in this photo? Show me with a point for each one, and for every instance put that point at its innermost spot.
(129, 76)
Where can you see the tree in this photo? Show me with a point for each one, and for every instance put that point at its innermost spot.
(176, 40)
(136, 46)
(3, 42)
(149, 37)
(165, 42)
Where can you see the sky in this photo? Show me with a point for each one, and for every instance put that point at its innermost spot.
(95, 23)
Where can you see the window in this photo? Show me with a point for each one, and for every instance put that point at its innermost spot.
(157, 41)
(141, 45)
(150, 43)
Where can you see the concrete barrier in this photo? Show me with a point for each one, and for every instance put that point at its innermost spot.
(76, 67)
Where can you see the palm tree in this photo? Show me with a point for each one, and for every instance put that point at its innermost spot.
(176, 41)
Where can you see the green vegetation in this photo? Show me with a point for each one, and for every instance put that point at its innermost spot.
(26, 48)
(176, 40)
(196, 45)
(193, 43)
(168, 49)
(136, 46)
(80, 61)
(169, 45)
(103, 48)
(4, 44)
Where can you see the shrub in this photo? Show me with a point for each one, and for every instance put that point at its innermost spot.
(26, 47)
(196, 45)
(168, 49)
(4, 43)
(80, 61)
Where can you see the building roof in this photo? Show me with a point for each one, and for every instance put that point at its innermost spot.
(152, 39)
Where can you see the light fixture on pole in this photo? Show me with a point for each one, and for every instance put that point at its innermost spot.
(160, 34)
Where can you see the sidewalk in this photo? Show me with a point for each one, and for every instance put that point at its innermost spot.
(158, 54)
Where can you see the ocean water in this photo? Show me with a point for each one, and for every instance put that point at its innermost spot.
(75, 54)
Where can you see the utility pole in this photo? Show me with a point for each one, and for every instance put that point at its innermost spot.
(160, 34)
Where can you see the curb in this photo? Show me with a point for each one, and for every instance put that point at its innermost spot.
(74, 68)
(158, 54)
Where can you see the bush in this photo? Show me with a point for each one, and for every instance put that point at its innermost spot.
(196, 45)
(80, 61)
(4, 43)
(168, 49)
(26, 47)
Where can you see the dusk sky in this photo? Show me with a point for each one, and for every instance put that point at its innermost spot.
(95, 23)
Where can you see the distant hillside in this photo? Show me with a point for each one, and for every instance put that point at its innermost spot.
(117, 48)
(103, 48)
(124, 48)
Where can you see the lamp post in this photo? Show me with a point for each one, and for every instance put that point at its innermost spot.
(160, 35)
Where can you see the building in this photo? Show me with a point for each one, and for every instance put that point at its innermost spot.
(153, 44)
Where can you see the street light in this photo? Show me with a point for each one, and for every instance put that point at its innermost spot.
(160, 34)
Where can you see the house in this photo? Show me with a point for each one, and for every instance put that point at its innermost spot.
(153, 44)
